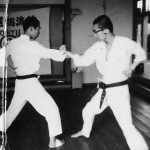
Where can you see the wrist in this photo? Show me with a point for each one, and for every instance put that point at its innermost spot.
(69, 54)
(133, 67)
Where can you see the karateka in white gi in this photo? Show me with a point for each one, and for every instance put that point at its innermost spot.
(112, 55)
(26, 54)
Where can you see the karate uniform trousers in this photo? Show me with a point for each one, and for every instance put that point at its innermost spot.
(118, 99)
(32, 91)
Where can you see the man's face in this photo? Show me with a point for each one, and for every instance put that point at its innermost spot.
(99, 33)
(35, 32)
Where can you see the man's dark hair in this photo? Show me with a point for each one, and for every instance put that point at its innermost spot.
(104, 22)
(30, 21)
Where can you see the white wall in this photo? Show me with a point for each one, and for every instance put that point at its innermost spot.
(119, 11)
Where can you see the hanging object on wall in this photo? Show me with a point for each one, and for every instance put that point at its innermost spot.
(75, 12)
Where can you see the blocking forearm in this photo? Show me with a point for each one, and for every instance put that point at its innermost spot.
(69, 54)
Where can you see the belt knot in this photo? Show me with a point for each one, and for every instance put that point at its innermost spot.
(102, 85)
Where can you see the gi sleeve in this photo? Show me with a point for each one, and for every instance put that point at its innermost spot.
(139, 52)
(54, 54)
(86, 59)
(2, 56)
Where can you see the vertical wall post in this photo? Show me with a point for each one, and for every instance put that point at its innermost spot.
(67, 37)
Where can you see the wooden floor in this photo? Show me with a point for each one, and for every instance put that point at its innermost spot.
(29, 131)
(141, 115)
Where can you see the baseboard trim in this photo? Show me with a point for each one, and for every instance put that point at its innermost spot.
(89, 84)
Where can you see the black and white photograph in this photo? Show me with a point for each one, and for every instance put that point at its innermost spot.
(74, 74)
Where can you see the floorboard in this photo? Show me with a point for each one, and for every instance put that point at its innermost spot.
(141, 115)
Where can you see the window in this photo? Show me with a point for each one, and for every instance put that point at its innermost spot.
(141, 26)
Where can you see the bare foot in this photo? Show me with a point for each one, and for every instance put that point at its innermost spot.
(56, 143)
(77, 134)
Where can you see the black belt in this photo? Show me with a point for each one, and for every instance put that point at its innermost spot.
(27, 76)
(104, 86)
